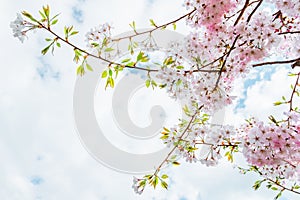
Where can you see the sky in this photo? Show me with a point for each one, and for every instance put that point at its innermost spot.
(42, 156)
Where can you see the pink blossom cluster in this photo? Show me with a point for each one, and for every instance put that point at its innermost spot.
(288, 7)
(272, 147)
(203, 143)
(195, 88)
(209, 13)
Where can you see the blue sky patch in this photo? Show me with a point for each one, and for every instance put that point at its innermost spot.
(77, 14)
(36, 180)
(46, 71)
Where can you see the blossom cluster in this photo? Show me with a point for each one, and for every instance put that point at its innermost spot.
(18, 26)
(99, 36)
(208, 13)
(272, 147)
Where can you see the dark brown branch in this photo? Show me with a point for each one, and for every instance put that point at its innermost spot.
(291, 32)
(242, 12)
(92, 55)
(254, 10)
(276, 62)
(227, 18)
(224, 62)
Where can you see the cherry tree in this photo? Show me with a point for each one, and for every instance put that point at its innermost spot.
(228, 38)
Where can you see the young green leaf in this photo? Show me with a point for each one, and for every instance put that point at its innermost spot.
(164, 176)
(89, 67)
(147, 82)
(152, 23)
(164, 184)
(104, 74)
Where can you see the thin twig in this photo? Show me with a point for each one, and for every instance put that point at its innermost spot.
(156, 28)
(224, 62)
(276, 62)
(254, 10)
(176, 146)
(291, 32)
(242, 12)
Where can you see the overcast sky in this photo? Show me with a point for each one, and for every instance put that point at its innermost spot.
(42, 157)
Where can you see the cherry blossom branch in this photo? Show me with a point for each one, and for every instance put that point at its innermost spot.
(282, 186)
(219, 145)
(156, 27)
(277, 62)
(90, 54)
(291, 32)
(224, 62)
(227, 18)
(293, 92)
(254, 10)
(180, 137)
(242, 12)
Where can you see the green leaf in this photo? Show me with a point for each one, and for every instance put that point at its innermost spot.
(164, 176)
(175, 163)
(110, 72)
(57, 44)
(74, 33)
(277, 103)
(164, 184)
(104, 74)
(278, 195)
(165, 129)
(139, 56)
(46, 11)
(80, 70)
(257, 184)
(155, 182)
(132, 25)
(142, 183)
(46, 49)
(180, 67)
(89, 67)
(147, 83)
(152, 23)
(108, 49)
(178, 82)
(274, 188)
(54, 22)
(126, 60)
(42, 15)
(131, 64)
(153, 83)
(174, 26)
(28, 15)
(296, 187)
(168, 61)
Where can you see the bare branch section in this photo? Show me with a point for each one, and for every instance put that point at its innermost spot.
(224, 63)
(291, 32)
(296, 62)
(242, 12)
(254, 10)
(156, 28)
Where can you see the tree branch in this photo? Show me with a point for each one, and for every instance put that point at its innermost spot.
(242, 12)
(276, 62)
(254, 10)
(156, 28)
(291, 32)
